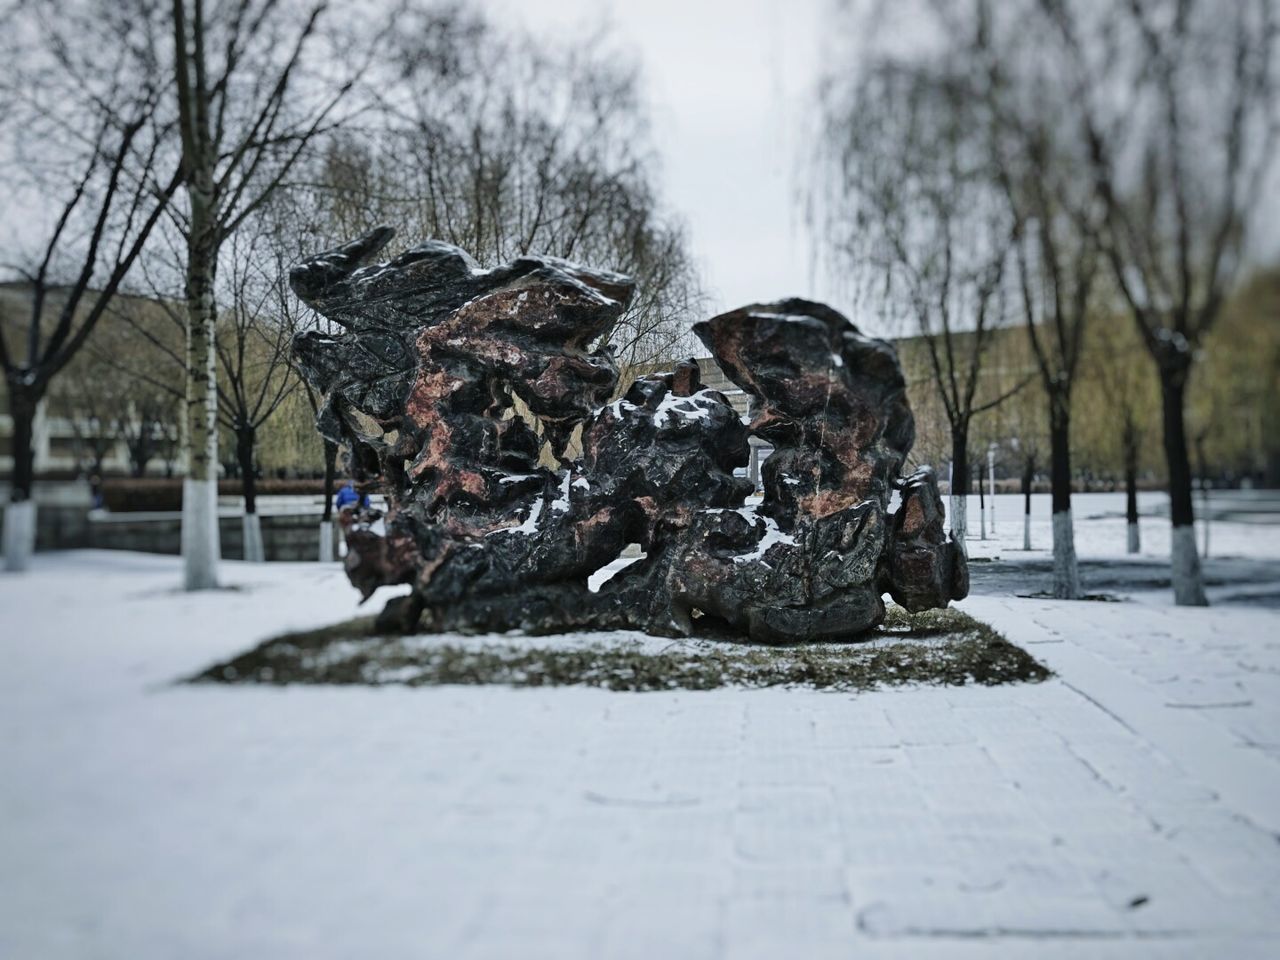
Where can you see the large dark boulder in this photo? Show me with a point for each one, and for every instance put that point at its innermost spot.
(423, 386)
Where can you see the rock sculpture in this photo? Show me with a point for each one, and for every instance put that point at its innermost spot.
(424, 383)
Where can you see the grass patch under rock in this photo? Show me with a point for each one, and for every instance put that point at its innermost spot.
(945, 647)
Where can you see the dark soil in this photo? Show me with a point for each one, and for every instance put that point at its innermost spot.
(945, 647)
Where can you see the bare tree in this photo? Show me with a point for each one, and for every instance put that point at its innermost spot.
(1029, 455)
(149, 428)
(910, 205)
(108, 403)
(330, 472)
(1130, 396)
(253, 347)
(138, 396)
(507, 146)
(90, 408)
(1055, 228)
(338, 195)
(1176, 102)
(94, 136)
(255, 328)
(245, 120)
(1021, 430)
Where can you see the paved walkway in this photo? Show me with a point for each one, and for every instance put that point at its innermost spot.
(1127, 808)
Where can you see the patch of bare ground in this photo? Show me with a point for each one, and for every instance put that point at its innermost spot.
(942, 647)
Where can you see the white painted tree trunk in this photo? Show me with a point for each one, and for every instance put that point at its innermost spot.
(1135, 539)
(991, 489)
(1066, 571)
(1026, 531)
(326, 541)
(982, 521)
(959, 525)
(251, 527)
(19, 535)
(1188, 586)
(200, 546)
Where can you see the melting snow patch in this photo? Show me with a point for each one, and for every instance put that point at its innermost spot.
(681, 408)
(672, 408)
(561, 503)
(609, 571)
(530, 524)
(772, 535)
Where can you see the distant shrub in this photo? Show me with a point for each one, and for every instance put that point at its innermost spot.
(134, 495)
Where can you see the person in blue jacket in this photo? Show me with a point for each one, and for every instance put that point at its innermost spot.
(348, 497)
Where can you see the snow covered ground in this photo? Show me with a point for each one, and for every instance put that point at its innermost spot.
(1130, 807)
(1100, 525)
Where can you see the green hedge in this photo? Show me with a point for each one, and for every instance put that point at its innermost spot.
(130, 495)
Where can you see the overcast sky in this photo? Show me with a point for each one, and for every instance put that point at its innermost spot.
(730, 84)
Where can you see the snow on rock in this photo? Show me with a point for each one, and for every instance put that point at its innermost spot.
(530, 524)
(673, 408)
(561, 503)
(772, 533)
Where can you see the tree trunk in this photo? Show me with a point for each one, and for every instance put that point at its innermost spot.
(19, 534)
(20, 514)
(959, 483)
(140, 454)
(245, 437)
(1028, 477)
(326, 517)
(982, 504)
(991, 489)
(1066, 571)
(1203, 469)
(22, 411)
(251, 523)
(330, 470)
(99, 458)
(1131, 489)
(200, 548)
(1188, 579)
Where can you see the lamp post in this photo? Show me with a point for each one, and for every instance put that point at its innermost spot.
(991, 484)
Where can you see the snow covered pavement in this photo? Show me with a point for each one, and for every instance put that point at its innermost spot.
(1130, 807)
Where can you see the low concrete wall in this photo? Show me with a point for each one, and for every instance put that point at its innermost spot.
(289, 536)
(58, 527)
(285, 536)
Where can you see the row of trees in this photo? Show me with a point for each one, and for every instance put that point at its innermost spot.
(1116, 406)
(1063, 165)
(1231, 416)
(176, 156)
